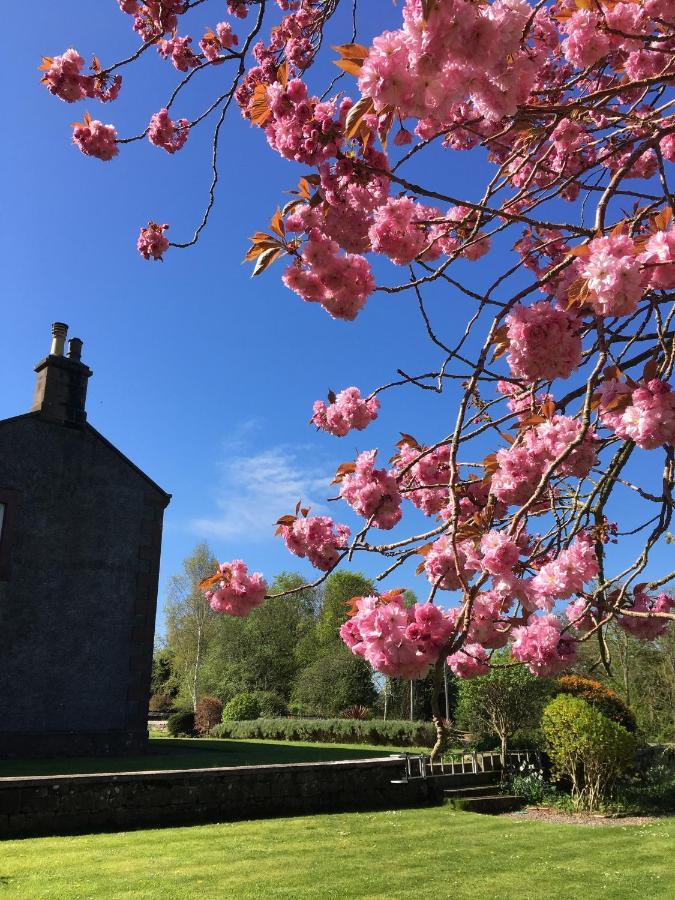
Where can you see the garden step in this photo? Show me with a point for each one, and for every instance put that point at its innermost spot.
(489, 805)
(469, 791)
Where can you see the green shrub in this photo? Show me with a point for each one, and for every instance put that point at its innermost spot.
(241, 707)
(208, 714)
(181, 723)
(586, 747)
(599, 696)
(331, 731)
(271, 704)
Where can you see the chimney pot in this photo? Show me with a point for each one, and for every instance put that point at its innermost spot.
(59, 334)
(75, 349)
(61, 386)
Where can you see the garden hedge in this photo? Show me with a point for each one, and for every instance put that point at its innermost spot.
(331, 731)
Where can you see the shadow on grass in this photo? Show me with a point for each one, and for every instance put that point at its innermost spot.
(189, 753)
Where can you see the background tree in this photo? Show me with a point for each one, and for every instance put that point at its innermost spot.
(190, 621)
(506, 700)
(263, 651)
(333, 683)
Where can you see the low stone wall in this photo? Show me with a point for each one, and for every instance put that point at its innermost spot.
(68, 804)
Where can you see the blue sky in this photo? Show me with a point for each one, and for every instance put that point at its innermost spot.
(202, 376)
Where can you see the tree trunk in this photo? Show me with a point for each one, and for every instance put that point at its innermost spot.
(198, 662)
(504, 748)
(439, 722)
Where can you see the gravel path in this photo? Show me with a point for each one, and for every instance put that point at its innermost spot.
(540, 814)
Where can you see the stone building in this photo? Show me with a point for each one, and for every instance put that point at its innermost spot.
(80, 541)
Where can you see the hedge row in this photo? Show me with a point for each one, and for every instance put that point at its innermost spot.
(331, 731)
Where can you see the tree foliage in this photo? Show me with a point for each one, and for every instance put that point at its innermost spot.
(506, 700)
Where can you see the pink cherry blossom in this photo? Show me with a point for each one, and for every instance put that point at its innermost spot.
(522, 465)
(469, 662)
(564, 575)
(316, 538)
(644, 414)
(613, 274)
(499, 552)
(340, 283)
(152, 242)
(165, 133)
(96, 139)
(427, 470)
(644, 628)
(372, 492)
(345, 412)
(542, 647)
(446, 565)
(178, 50)
(397, 641)
(544, 341)
(238, 592)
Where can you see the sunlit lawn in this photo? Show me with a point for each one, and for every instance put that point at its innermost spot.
(428, 854)
(177, 753)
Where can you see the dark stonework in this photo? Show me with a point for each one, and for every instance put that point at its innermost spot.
(68, 804)
(79, 563)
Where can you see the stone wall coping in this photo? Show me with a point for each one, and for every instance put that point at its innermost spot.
(56, 781)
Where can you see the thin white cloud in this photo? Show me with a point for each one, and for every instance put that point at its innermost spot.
(256, 488)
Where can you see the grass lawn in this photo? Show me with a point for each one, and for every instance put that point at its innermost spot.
(427, 854)
(178, 753)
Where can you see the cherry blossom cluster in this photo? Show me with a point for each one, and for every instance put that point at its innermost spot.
(424, 476)
(340, 283)
(398, 641)
(303, 128)
(522, 465)
(542, 646)
(179, 51)
(372, 493)
(165, 133)
(647, 629)
(96, 139)
(344, 412)
(316, 538)
(213, 42)
(644, 413)
(564, 575)
(153, 18)
(544, 341)
(464, 52)
(63, 77)
(238, 593)
(619, 31)
(469, 662)
(152, 242)
(613, 274)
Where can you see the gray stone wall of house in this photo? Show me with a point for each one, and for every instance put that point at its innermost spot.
(78, 589)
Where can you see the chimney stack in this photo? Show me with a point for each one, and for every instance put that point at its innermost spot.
(61, 387)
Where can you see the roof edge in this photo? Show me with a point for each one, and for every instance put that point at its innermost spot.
(103, 440)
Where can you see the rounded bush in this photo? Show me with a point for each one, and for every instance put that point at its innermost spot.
(181, 723)
(241, 707)
(586, 747)
(208, 714)
(599, 696)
